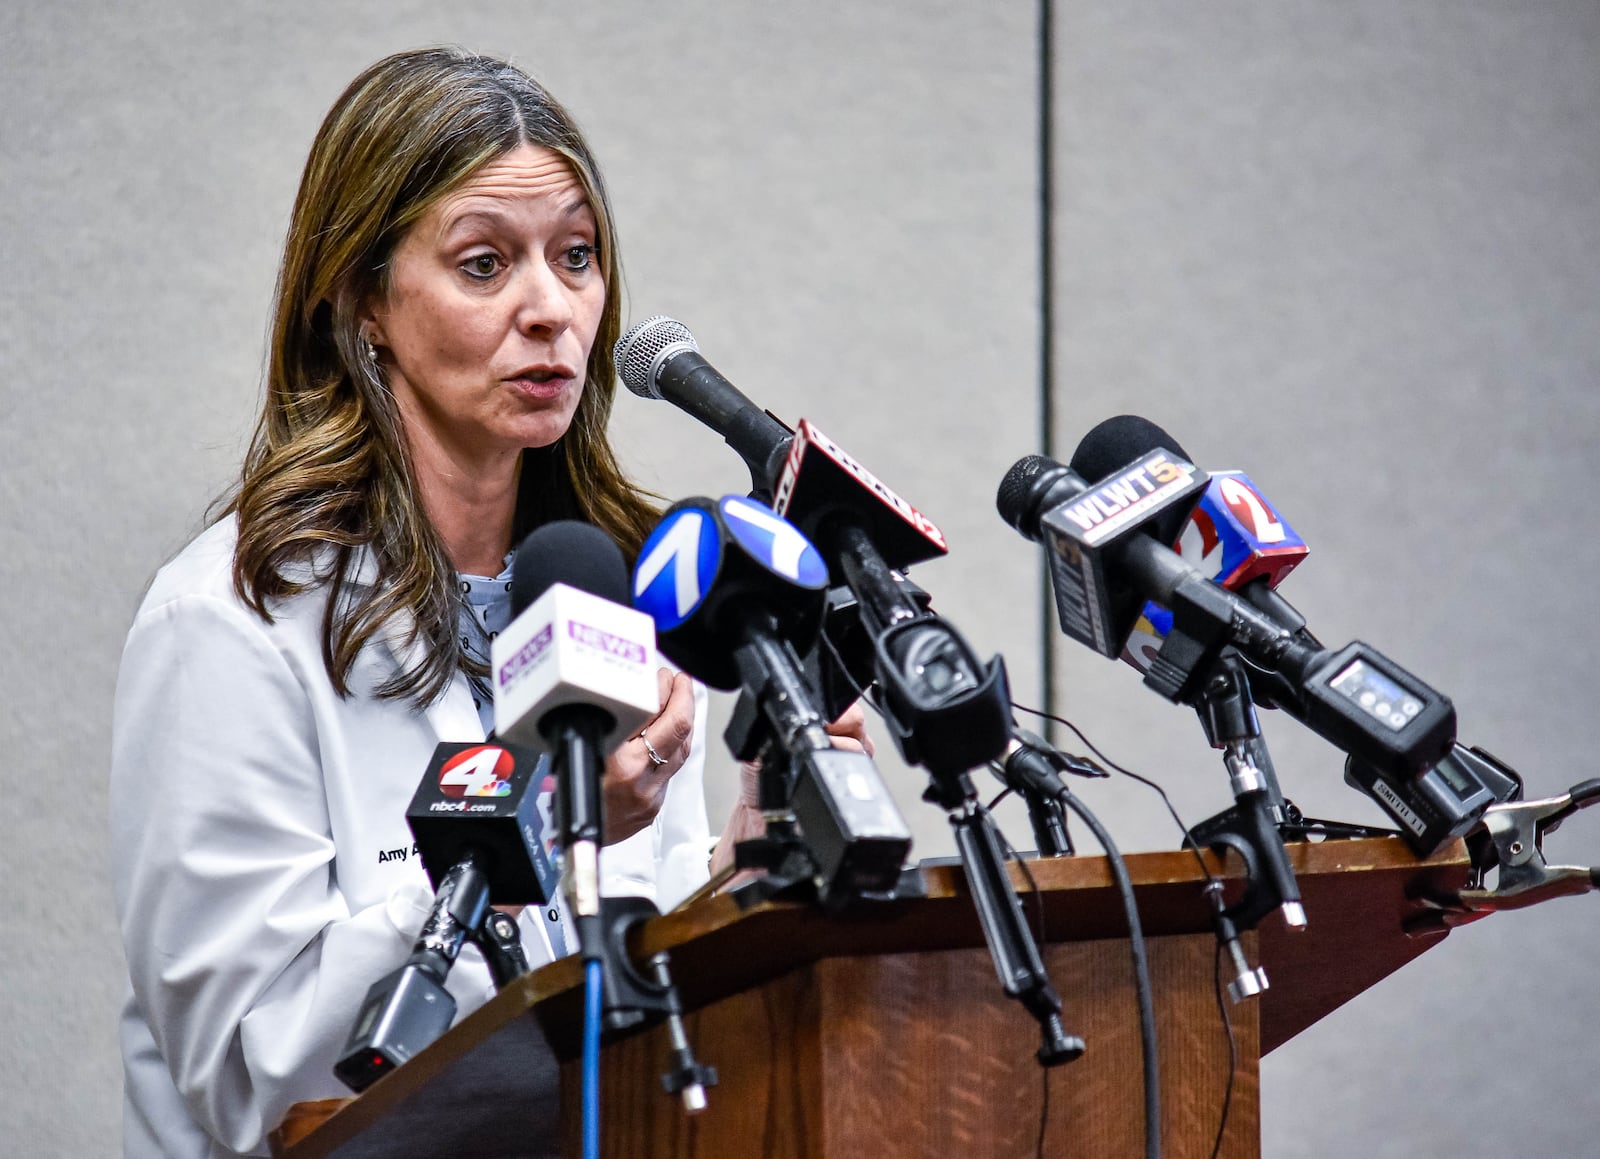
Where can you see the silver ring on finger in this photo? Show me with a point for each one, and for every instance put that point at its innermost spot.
(656, 758)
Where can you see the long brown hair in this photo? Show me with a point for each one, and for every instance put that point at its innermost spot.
(328, 473)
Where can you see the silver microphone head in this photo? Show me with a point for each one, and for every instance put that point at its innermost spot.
(640, 353)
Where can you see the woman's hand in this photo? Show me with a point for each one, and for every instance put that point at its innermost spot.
(848, 732)
(635, 785)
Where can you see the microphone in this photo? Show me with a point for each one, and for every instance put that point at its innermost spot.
(477, 825)
(479, 801)
(574, 641)
(1148, 495)
(574, 676)
(946, 709)
(658, 358)
(1237, 539)
(1251, 541)
(1240, 540)
(809, 475)
(733, 589)
(406, 1010)
(1106, 548)
(1146, 490)
(822, 484)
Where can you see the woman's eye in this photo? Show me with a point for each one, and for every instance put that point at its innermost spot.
(482, 266)
(579, 257)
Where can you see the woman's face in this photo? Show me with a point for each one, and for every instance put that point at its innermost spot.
(492, 304)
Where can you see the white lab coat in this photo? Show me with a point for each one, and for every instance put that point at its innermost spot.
(254, 819)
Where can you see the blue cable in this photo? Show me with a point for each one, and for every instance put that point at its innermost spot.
(591, 1059)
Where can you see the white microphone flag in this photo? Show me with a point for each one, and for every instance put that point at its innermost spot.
(573, 647)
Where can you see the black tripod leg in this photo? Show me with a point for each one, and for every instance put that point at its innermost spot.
(1016, 955)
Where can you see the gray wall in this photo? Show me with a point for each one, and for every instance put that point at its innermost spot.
(1351, 248)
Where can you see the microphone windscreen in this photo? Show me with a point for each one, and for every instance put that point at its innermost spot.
(637, 352)
(1117, 442)
(1017, 499)
(579, 555)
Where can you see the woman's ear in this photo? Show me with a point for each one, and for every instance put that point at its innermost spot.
(369, 333)
(369, 320)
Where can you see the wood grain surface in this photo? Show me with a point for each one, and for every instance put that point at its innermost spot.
(920, 1054)
(770, 980)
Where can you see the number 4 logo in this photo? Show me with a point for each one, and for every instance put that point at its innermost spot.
(484, 771)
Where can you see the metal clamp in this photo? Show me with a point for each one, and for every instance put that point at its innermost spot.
(1510, 839)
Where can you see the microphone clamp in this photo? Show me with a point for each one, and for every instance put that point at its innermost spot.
(1510, 840)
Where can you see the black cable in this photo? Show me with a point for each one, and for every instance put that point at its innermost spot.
(1033, 886)
(1038, 899)
(1044, 1109)
(1189, 841)
(861, 693)
(1233, 1050)
(1213, 891)
(1141, 973)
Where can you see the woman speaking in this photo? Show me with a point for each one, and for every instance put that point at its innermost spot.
(439, 381)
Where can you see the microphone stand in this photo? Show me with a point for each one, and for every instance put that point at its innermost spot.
(840, 844)
(1048, 820)
(408, 1008)
(1032, 770)
(497, 937)
(1509, 840)
(1250, 827)
(950, 714)
(630, 997)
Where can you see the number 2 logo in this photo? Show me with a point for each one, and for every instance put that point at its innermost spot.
(1251, 510)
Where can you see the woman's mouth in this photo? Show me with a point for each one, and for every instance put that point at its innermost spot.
(541, 382)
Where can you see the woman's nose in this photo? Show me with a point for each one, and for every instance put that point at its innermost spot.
(546, 305)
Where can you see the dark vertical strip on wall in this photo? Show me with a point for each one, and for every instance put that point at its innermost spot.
(1047, 417)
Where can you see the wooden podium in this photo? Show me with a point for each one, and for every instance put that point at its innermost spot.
(884, 1032)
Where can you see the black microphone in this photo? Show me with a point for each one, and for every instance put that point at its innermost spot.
(407, 1009)
(658, 358)
(1238, 538)
(946, 708)
(733, 589)
(808, 477)
(1148, 488)
(478, 831)
(1106, 544)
